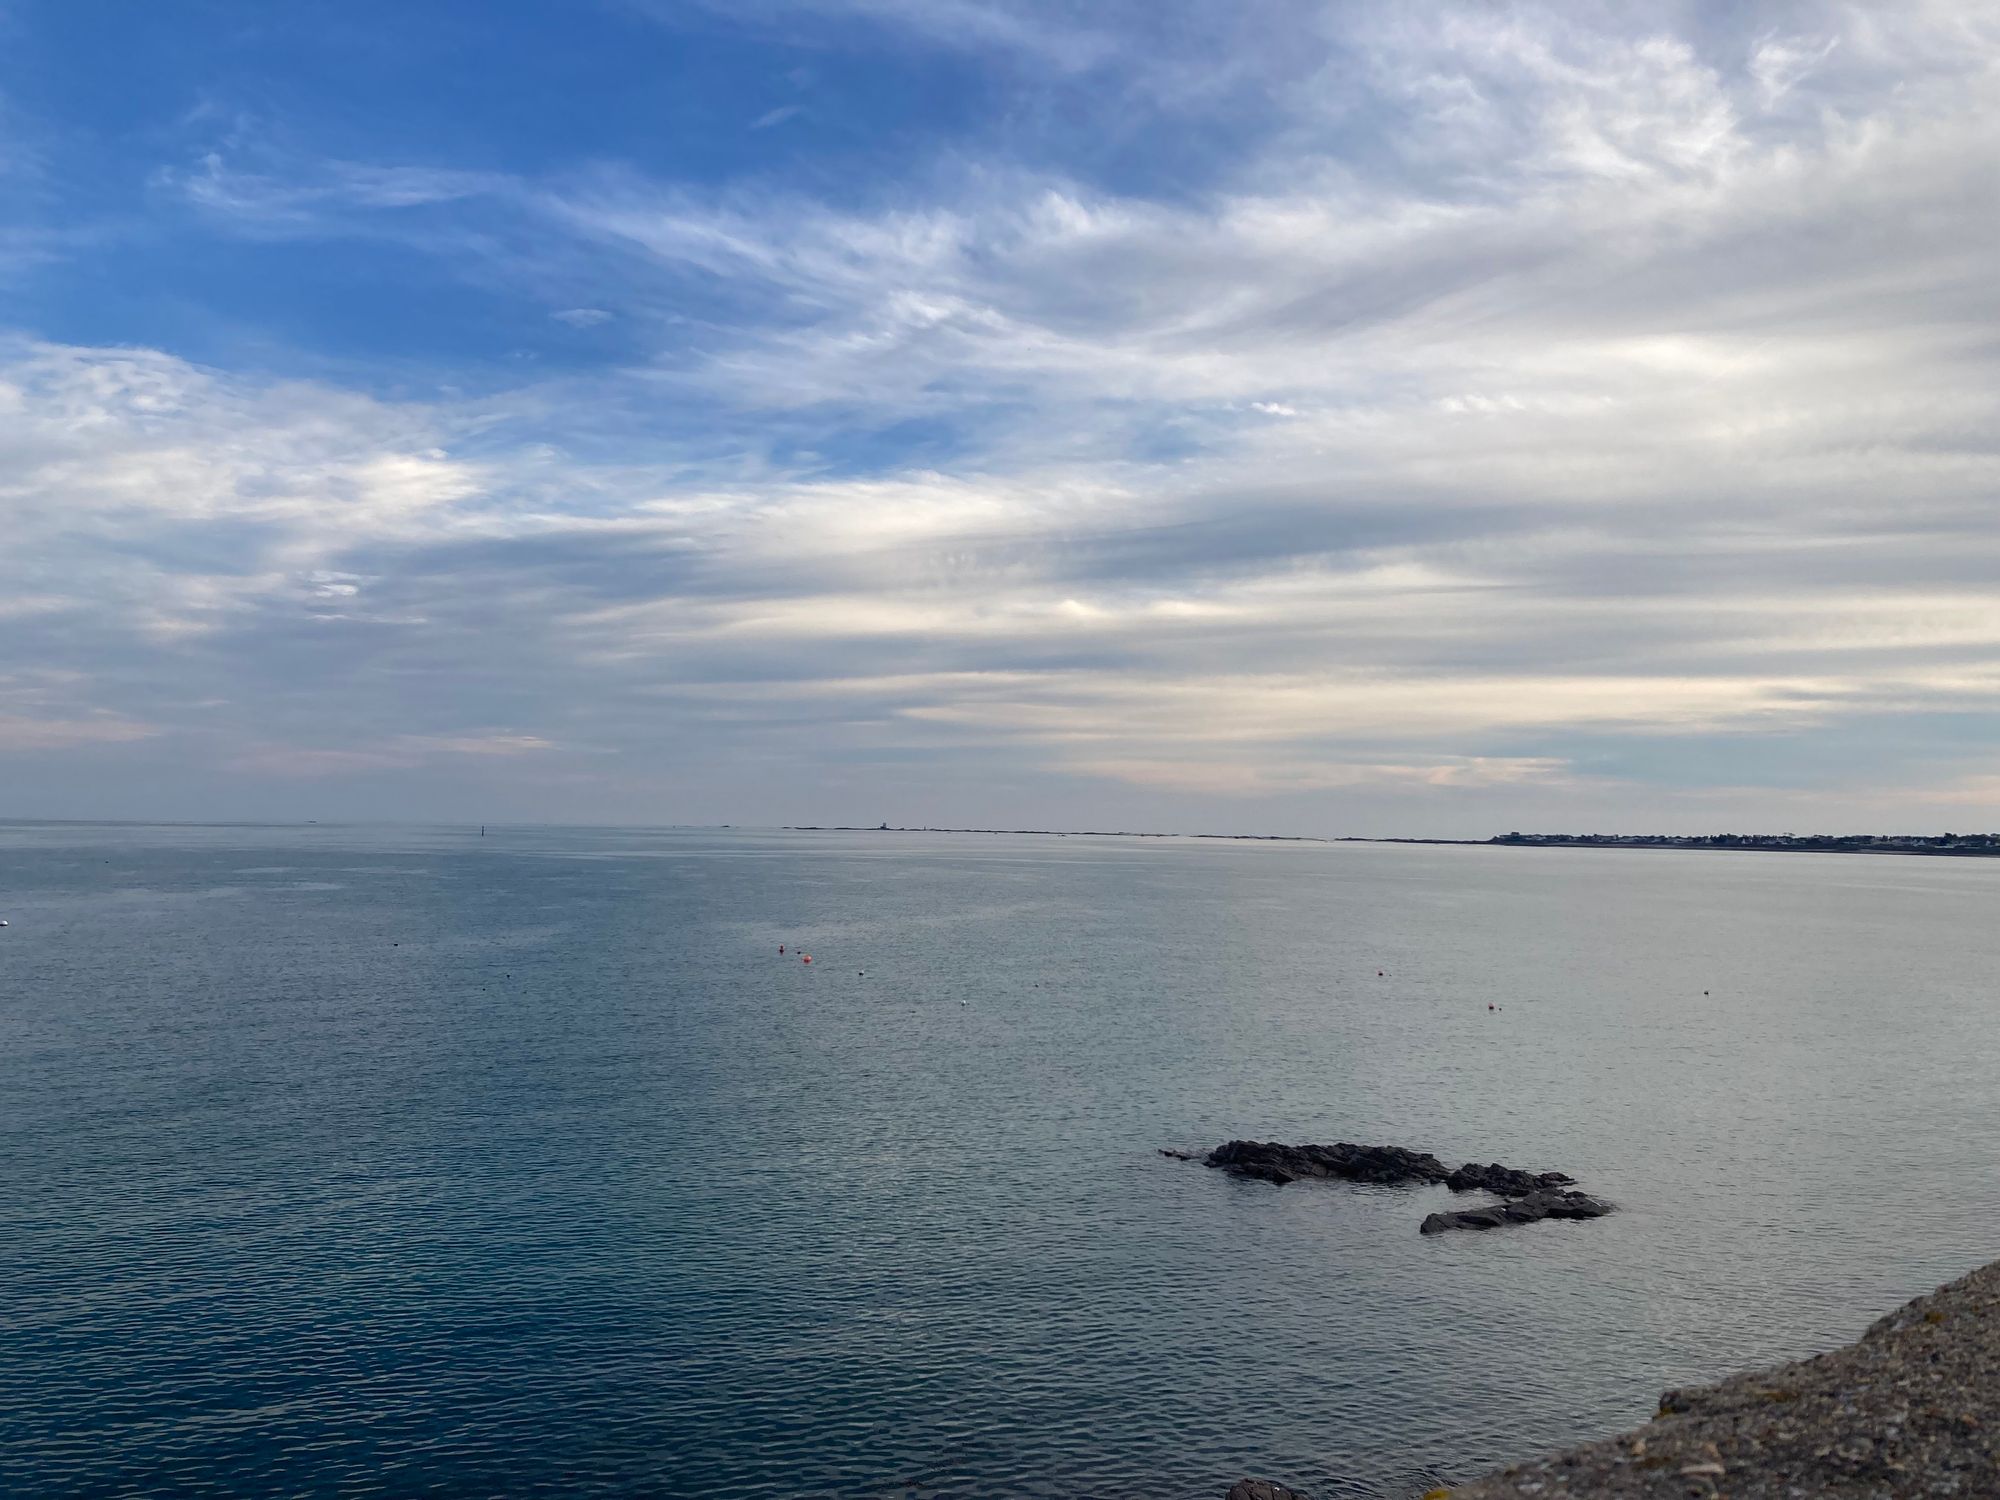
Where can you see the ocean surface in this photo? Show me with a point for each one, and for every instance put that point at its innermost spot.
(401, 1161)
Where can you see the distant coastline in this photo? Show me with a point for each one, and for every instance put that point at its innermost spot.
(1958, 845)
(1962, 845)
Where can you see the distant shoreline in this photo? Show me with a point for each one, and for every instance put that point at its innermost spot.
(1969, 846)
(1974, 846)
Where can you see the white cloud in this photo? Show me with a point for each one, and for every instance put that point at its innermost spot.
(284, 201)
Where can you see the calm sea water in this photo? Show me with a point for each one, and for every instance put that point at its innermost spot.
(351, 1160)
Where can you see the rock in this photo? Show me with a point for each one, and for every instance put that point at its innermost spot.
(1504, 1182)
(1466, 1218)
(1908, 1411)
(1261, 1489)
(1529, 1196)
(1177, 1155)
(1545, 1203)
(1385, 1166)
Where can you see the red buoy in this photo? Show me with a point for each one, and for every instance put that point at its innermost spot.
(807, 957)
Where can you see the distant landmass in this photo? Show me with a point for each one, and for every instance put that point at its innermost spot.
(1963, 844)
(1811, 843)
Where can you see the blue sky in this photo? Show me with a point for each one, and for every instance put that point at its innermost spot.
(1280, 416)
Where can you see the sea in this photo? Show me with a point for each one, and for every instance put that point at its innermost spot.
(407, 1161)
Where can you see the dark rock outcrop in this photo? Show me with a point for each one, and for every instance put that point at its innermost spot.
(1385, 1166)
(1546, 1203)
(1529, 1196)
(1260, 1489)
(1177, 1155)
(1504, 1182)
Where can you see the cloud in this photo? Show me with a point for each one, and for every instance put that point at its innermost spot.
(20, 733)
(1006, 26)
(290, 761)
(1265, 778)
(496, 743)
(1532, 388)
(288, 201)
(403, 753)
(777, 116)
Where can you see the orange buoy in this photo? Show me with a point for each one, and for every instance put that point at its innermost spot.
(807, 957)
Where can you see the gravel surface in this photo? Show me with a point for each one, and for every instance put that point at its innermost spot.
(1911, 1408)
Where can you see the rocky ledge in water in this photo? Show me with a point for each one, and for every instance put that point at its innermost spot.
(1528, 1196)
(1386, 1166)
(1530, 1208)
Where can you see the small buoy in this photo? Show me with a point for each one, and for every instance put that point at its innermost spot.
(806, 957)
(1492, 1007)
(781, 947)
(1380, 975)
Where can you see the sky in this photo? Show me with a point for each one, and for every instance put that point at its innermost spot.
(1273, 416)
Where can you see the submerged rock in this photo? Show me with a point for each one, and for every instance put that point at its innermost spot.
(1547, 1203)
(1260, 1489)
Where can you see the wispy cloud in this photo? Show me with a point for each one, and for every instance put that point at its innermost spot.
(289, 201)
(19, 733)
